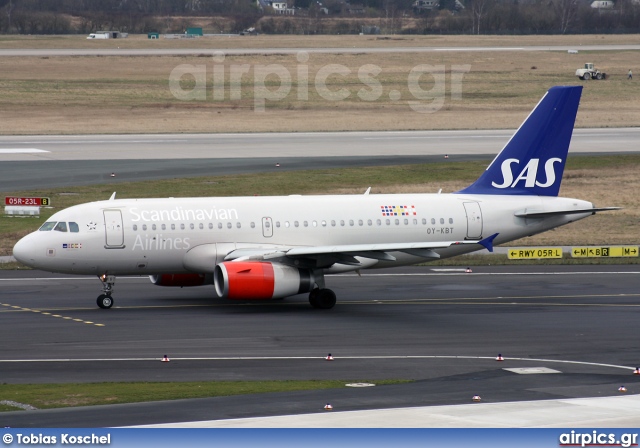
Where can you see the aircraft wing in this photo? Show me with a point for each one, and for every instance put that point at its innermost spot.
(328, 255)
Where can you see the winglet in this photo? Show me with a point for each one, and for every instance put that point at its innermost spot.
(488, 242)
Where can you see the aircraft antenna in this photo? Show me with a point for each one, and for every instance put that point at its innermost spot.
(113, 196)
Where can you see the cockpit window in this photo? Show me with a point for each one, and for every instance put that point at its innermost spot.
(73, 227)
(47, 226)
(61, 227)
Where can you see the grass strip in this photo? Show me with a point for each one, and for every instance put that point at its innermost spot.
(48, 396)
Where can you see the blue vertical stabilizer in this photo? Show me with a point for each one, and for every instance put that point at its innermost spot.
(533, 160)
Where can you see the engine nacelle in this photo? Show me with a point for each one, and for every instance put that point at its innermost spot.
(181, 279)
(258, 280)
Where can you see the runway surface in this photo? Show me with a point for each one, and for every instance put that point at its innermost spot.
(440, 327)
(338, 50)
(31, 162)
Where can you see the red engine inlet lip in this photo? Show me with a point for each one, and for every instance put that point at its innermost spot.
(260, 280)
(240, 281)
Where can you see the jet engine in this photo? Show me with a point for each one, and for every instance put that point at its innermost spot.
(181, 279)
(260, 280)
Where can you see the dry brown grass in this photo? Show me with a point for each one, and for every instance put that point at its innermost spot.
(75, 94)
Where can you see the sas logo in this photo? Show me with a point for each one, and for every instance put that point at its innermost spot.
(528, 174)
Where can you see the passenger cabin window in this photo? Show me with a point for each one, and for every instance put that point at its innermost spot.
(61, 227)
(47, 226)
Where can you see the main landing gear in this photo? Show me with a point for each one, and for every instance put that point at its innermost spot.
(104, 300)
(322, 298)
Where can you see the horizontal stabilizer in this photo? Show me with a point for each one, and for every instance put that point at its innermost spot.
(541, 214)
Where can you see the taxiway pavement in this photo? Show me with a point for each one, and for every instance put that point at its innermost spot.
(440, 327)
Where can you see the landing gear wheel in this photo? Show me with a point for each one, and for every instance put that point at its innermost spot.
(323, 299)
(104, 301)
(313, 298)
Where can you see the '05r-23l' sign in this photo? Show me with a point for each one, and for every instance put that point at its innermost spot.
(27, 202)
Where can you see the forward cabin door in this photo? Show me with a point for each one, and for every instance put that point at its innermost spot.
(114, 230)
(474, 220)
(267, 227)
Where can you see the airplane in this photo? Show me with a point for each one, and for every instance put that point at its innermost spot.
(262, 248)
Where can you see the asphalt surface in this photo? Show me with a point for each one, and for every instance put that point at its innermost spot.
(441, 328)
(338, 50)
(33, 162)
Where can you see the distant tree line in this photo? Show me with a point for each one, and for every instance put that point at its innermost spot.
(320, 17)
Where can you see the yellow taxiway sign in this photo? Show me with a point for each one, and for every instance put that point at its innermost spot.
(534, 253)
(604, 251)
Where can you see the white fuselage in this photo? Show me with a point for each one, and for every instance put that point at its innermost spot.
(152, 236)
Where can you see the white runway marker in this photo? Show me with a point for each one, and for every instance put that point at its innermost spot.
(21, 150)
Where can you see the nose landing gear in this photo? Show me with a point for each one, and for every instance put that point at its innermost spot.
(104, 300)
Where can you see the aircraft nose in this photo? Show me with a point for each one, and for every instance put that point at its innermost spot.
(24, 250)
